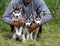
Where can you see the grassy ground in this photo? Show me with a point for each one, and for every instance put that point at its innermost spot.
(51, 30)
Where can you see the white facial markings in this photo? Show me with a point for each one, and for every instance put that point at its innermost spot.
(38, 18)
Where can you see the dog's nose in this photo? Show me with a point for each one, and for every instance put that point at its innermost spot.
(27, 25)
(38, 23)
(16, 16)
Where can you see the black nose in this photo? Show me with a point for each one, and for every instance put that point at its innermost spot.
(27, 25)
(16, 16)
(38, 23)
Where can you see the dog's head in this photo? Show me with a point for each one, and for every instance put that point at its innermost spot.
(38, 17)
(28, 20)
(17, 11)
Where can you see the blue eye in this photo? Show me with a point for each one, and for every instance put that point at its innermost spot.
(37, 19)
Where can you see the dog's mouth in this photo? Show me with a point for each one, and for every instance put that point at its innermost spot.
(28, 23)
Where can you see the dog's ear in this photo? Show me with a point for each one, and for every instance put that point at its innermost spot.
(41, 14)
(24, 16)
(31, 17)
(14, 6)
(34, 14)
(20, 7)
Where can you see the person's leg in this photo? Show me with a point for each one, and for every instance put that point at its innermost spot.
(39, 33)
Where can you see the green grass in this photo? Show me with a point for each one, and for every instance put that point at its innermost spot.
(51, 31)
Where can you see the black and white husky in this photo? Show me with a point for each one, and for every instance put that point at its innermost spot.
(29, 19)
(37, 20)
(28, 22)
(38, 17)
(22, 31)
(17, 14)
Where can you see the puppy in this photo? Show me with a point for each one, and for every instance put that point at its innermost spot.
(29, 19)
(28, 22)
(37, 18)
(17, 15)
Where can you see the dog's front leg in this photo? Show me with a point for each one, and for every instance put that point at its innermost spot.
(36, 32)
(20, 31)
(16, 29)
(14, 36)
(23, 38)
(31, 35)
(28, 35)
(23, 32)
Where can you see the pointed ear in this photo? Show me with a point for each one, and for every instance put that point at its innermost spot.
(34, 14)
(20, 6)
(21, 9)
(13, 7)
(31, 16)
(41, 14)
(24, 16)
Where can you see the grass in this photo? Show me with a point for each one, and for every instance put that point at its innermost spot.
(51, 30)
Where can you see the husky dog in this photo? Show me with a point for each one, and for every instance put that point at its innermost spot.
(28, 22)
(17, 14)
(37, 20)
(29, 19)
(38, 17)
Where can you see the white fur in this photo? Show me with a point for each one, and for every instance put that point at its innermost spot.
(14, 36)
(38, 21)
(16, 17)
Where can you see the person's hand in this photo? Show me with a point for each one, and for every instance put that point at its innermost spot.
(14, 23)
(21, 22)
(18, 23)
(33, 27)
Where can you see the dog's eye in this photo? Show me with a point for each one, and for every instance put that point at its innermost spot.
(37, 19)
(15, 12)
(26, 21)
(20, 8)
